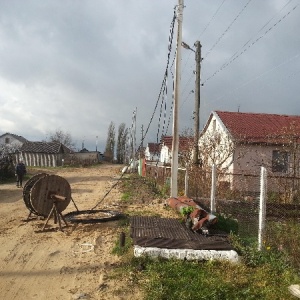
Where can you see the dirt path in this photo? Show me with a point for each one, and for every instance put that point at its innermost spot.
(73, 264)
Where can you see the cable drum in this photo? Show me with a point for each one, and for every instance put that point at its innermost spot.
(27, 191)
(38, 192)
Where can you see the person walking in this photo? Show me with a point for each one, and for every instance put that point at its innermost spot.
(20, 172)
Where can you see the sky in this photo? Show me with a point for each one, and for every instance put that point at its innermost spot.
(78, 65)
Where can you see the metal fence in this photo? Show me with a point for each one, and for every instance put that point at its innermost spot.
(266, 207)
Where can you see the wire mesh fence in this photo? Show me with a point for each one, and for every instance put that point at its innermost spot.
(238, 196)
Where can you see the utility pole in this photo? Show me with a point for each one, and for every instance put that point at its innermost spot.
(197, 103)
(133, 136)
(175, 141)
(142, 144)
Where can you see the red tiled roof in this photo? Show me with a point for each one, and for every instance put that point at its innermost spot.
(260, 127)
(153, 147)
(184, 142)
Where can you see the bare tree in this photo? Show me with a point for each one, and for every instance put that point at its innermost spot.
(216, 148)
(110, 143)
(62, 137)
(121, 143)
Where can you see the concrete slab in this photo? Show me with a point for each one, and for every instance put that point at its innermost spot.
(186, 254)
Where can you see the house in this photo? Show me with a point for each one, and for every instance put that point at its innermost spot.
(43, 154)
(12, 141)
(184, 148)
(152, 151)
(85, 157)
(240, 143)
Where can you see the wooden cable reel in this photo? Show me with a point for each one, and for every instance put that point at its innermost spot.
(39, 192)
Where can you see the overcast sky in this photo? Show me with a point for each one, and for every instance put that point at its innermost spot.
(77, 65)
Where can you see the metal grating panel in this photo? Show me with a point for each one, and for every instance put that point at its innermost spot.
(171, 234)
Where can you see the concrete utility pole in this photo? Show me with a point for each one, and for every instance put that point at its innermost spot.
(175, 141)
(197, 98)
(197, 103)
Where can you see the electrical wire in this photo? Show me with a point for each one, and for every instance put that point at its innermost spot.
(253, 43)
(205, 28)
(227, 29)
(156, 105)
(212, 18)
(264, 73)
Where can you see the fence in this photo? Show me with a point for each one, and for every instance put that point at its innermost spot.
(265, 206)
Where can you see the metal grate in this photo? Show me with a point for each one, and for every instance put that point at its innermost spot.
(171, 234)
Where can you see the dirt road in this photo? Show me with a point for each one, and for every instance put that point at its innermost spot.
(73, 264)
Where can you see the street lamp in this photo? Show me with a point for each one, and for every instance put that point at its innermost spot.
(186, 46)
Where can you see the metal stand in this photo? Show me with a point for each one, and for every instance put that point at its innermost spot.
(55, 212)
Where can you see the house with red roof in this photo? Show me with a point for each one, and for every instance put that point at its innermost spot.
(240, 143)
(152, 152)
(184, 148)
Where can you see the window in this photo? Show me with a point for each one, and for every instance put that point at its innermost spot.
(214, 125)
(7, 140)
(280, 161)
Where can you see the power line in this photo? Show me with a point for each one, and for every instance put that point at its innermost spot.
(214, 15)
(227, 29)
(171, 35)
(269, 21)
(253, 43)
(264, 73)
(205, 28)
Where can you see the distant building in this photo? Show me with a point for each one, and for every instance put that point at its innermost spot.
(152, 151)
(43, 154)
(12, 140)
(185, 147)
(86, 157)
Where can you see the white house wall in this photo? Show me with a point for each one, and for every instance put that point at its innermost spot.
(216, 126)
(165, 156)
(151, 156)
(249, 160)
(14, 143)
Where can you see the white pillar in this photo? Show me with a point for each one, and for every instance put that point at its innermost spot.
(262, 207)
(186, 182)
(213, 189)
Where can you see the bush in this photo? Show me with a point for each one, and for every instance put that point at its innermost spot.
(7, 169)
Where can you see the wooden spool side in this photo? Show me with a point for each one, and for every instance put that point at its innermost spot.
(42, 191)
(27, 191)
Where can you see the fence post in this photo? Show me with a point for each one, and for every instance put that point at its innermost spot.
(186, 181)
(262, 207)
(213, 189)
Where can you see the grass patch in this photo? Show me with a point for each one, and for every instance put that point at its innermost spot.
(267, 278)
(263, 274)
(137, 189)
(120, 249)
(226, 224)
(259, 275)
